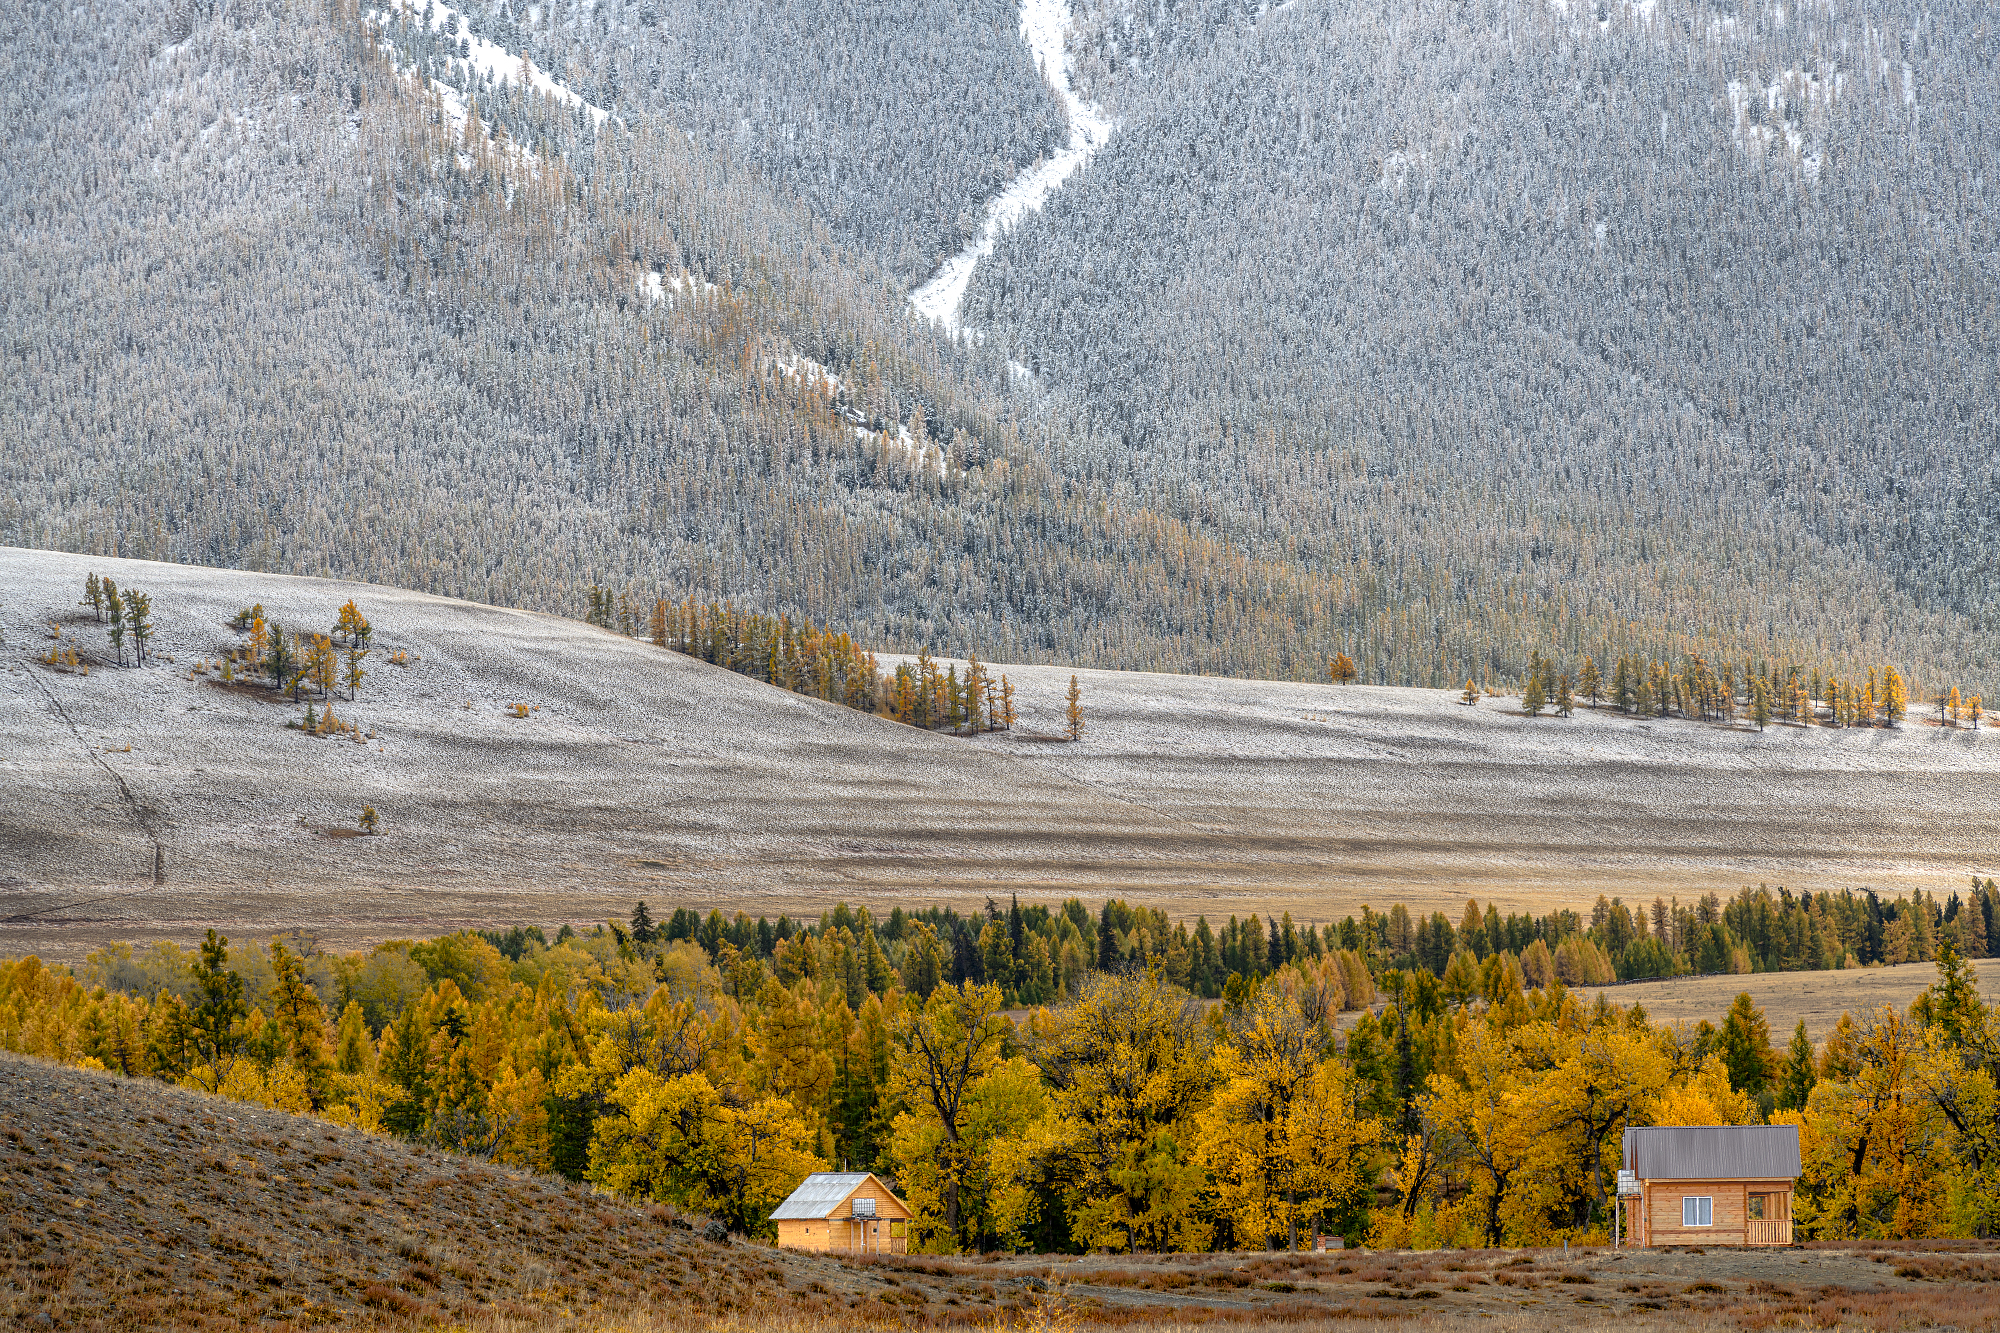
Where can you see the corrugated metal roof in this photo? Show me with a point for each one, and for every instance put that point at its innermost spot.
(819, 1194)
(1712, 1152)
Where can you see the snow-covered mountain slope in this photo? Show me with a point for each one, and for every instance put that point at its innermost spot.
(1598, 294)
(1440, 336)
(139, 801)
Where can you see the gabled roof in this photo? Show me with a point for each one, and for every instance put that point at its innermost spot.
(819, 1194)
(1712, 1152)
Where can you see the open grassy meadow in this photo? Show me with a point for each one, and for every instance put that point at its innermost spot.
(527, 768)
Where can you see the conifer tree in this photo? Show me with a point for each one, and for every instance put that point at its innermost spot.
(1800, 1072)
(659, 623)
(1760, 704)
(357, 649)
(300, 1020)
(369, 820)
(320, 664)
(1342, 669)
(1007, 702)
(217, 1009)
(1073, 713)
(1532, 701)
(93, 597)
(1589, 683)
(114, 607)
(1895, 697)
(1565, 703)
(351, 624)
(1470, 696)
(281, 660)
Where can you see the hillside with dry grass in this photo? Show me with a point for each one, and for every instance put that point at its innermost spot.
(531, 768)
(137, 1206)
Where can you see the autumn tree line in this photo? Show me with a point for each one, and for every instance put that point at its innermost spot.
(1037, 954)
(1758, 693)
(710, 1064)
(1755, 693)
(807, 659)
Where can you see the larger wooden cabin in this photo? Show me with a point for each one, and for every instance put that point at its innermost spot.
(1713, 1184)
(844, 1212)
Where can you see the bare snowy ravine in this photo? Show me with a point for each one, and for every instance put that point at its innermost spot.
(1044, 26)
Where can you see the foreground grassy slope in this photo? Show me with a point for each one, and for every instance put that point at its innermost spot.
(640, 773)
(136, 1205)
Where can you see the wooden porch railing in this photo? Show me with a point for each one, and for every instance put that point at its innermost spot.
(1772, 1231)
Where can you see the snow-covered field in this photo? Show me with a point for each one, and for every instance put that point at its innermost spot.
(639, 773)
(1045, 28)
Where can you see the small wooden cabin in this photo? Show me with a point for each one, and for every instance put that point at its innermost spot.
(1713, 1184)
(845, 1212)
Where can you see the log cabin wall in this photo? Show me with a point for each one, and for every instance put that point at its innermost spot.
(1660, 1212)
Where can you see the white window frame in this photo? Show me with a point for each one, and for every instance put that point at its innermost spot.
(1697, 1210)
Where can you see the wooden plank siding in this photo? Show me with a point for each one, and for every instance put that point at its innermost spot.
(1659, 1213)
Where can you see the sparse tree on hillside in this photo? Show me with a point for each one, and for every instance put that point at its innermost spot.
(93, 597)
(1760, 703)
(322, 664)
(1073, 713)
(1532, 700)
(353, 675)
(1565, 703)
(1470, 697)
(1342, 669)
(278, 661)
(114, 608)
(139, 620)
(1007, 703)
(369, 821)
(351, 625)
(1590, 684)
(659, 622)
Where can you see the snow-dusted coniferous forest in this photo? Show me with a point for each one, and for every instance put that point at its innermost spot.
(1437, 333)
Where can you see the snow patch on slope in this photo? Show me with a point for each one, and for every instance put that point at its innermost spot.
(657, 288)
(1044, 26)
(489, 60)
(883, 435)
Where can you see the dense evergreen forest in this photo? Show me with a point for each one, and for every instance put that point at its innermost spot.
(710, 1063)
(1341, 344)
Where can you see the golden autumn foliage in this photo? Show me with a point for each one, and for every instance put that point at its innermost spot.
(1125, 1115)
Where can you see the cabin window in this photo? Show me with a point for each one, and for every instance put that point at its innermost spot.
(1697, 1210)
(1756, 1208)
